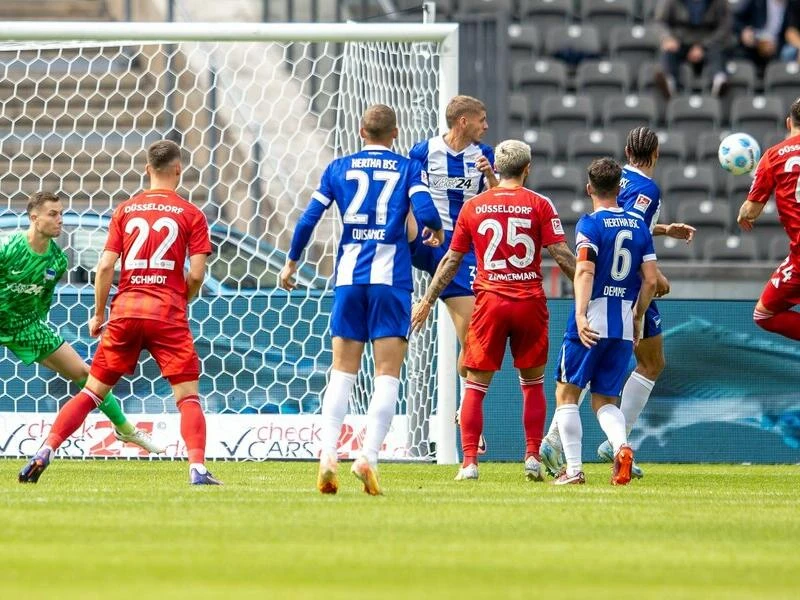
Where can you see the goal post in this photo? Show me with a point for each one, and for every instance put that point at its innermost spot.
(260, 109)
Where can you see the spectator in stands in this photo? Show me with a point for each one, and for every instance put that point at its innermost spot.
(697, 31)
(760, 27)
(791, 46)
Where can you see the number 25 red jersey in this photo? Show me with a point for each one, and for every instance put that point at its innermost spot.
(779, 171)
(154, 232)
(508, 228)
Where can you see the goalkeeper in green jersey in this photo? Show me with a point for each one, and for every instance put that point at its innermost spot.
(31, 263)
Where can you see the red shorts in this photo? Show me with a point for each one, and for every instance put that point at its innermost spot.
(170, 344)
(495, 320)
(782, 291)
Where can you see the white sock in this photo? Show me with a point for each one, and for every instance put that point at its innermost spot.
(379, 415)
(335, 402)
(553, 436)
(612, 421)
(569, 424)
(199, 467)
(635, 395)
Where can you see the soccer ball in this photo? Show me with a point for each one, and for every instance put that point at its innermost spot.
(739, 153)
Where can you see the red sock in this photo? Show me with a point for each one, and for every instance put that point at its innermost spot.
(193, 428)
(786, 323)
(472, 420)
(71, 416)
(534, 410)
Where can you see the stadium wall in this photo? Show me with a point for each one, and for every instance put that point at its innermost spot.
(728, 393)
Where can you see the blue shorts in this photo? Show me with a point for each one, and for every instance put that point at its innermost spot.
(605, 365)
(427, 259)
(368, 312)
(652, 322)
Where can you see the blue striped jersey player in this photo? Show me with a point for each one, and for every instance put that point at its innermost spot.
(615, 278)
(374, 191)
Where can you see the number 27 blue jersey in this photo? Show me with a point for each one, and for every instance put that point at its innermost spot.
(622, 242)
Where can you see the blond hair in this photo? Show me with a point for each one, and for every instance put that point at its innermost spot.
(511, 157)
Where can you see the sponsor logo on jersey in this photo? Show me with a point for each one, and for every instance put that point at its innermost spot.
(557, 227)
(642, 203)
(452, 183)
(25, 288)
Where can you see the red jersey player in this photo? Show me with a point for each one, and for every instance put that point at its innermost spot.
(508, 226)
(153, 233)
(779, 172)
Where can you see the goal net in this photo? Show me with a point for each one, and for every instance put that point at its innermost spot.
(259, 112)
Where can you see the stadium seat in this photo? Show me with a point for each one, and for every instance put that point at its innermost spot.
(585, 146)
(782, 79)
(623, 113)
(570, 211)
(773, 139)
(693, 115)
(672, 151)
(706, 152)
(759, 116)
(708, 216)
(542, 143)
(736, 189)
(691, 182)
(538, 79)
(741, 78)
(519, 113)
(563, 115)
(647, 10)
(558, 182)
(730, 248)
(778, 248)
(485, 6)
(524, 43)
(546, 13)
(572, 43)
(636, 44)
(668, 248)
(765, 236)
(607, 14)
(600, 79)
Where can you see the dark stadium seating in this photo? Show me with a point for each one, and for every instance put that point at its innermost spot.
(672, 249)
(546, 13)
(727, 247)
(600, 79)
(558, 182)
(778, 247)
(584, 146)
(783, 81)
(672, 149)
(519, 111)
(564, 114)
(542, 143)
(710, 216)
(760, 116)
(635, 44)
(524, 43)
(540, 78)
(607, 14)
(693, 115)
(692, 182)
(623, 113)
(572, 43)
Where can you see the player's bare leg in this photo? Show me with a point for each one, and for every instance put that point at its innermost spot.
(534, 409)
(335, 402)
(612, 422)
(66, 362)
(650, 364)
(389, 354)
(569, 424)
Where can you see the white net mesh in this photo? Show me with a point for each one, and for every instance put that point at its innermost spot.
(258, 123)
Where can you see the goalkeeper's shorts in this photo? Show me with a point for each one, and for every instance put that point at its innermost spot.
(33, 343)
(427, 259)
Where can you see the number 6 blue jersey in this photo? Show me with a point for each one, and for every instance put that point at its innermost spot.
(621, 242)
(374, 190)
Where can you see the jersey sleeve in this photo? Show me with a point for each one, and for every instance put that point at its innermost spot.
(321, 199)
(114, 239)
(648, 251)
(418, 152)
(648, 205)
(488, 152)
(420, 197)
(587, 239)
(763, 183)
(552, 231)
(462, 235)
(199, 239)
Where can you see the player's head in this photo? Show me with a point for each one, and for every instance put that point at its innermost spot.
(793, 120)
(379, 125)
(512, 160)
(468, 116)
(164, 162)
(641, 147)
(45, 212)
(604, 176)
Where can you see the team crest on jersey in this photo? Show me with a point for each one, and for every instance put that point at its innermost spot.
(642, 203)
(469, 169)
(49, 274)
(557, 227)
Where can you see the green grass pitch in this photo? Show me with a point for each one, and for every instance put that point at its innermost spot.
(136, 530)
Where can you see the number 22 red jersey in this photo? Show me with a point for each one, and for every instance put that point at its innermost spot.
(508, 228)
(779, 171)
(154, 232)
